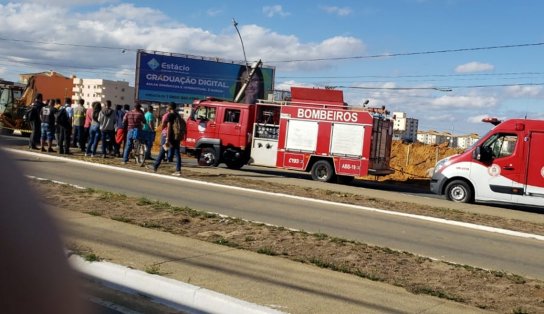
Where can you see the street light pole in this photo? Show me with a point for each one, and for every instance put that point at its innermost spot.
(241, 41)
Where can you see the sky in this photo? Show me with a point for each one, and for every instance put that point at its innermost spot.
(447, 63)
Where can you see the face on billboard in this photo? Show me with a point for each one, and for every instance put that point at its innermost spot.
(165, 78)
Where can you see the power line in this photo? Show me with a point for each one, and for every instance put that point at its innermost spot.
(442, 88)
(412, 76)
(496, 85)
(310, 60)
(67, 44)
(412, 53)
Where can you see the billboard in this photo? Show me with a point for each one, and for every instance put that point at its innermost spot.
(165, 77)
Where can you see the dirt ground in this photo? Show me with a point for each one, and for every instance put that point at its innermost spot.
(416, 160)
(487, 289)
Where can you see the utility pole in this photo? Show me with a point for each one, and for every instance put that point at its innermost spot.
(242, 42)
(249, 74)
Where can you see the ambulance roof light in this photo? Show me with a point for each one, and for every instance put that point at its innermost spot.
(493, 121)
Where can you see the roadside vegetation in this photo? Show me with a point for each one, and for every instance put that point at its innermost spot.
(492, 290)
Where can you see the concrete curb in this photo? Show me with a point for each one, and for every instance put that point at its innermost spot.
(175, 294)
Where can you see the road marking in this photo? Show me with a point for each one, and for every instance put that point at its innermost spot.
(351, 206)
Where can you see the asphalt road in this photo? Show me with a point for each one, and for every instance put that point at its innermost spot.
(446, 242)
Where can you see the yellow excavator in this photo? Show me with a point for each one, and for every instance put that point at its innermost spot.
(15, 99)
(13, 107)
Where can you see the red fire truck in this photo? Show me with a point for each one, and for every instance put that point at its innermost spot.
(506, 165)
(314, 132)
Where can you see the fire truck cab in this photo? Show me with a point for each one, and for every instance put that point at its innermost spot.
(220, 131)
(506, 166)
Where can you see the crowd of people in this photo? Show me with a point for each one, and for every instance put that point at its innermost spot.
(82, 129)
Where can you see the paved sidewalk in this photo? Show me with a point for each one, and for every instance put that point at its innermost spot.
(274, 282)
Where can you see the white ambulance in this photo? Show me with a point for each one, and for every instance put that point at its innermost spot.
(504, 166)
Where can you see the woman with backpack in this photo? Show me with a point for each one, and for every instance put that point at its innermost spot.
(171, 135)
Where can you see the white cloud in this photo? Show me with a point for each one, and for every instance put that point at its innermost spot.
(539, 115)
(442, 117)
(341, 11)
(286, 85)
(67, 2)
(472, 67)
(262, 43)
(214, 12)
(271, 11)
(127, 26)
(468, 102)
(524, 91)
(477, 119)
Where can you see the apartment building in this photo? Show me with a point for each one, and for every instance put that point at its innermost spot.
(436, 138)
(433, 137)
(404, 128)
(91, 90)
(465, 141)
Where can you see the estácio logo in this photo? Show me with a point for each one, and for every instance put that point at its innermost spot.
(153, 64)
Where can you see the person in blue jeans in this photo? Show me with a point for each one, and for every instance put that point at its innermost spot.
(94, 130)
(107, 128)
(133, 120)
(149, 130)
(170, 138)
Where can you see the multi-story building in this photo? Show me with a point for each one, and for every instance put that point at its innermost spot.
(404, 128)
(436, 138)
(433, 137)
(465, 141)
(91, 90)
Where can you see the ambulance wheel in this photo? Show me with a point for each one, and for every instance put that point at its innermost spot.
(322, 171)
(459, 191)
(208, 157)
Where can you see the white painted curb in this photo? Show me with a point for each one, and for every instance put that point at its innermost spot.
(175, 294)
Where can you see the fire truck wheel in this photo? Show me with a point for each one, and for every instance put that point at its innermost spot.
(459, 192)
(208, 157)
(344, 179)
(235, 164)
(322, 171)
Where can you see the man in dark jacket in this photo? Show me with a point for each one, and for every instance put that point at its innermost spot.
(35, 123)
(106, 118)
(64, 125)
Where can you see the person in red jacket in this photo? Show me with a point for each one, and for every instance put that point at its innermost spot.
(133, 122)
